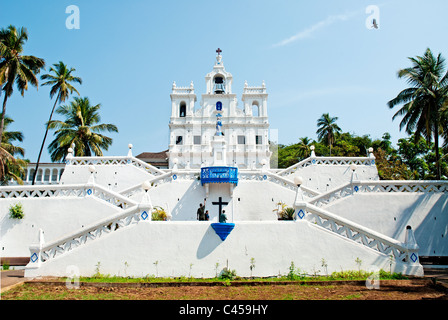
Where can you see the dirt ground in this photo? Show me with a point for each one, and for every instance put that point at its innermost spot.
(418, 289)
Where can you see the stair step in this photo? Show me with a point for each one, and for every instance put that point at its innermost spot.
(15, 261)
(434, 260)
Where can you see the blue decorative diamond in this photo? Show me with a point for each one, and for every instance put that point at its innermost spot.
(144, 215)
(89, 191)
(313, 161)
(34, 257)
(174, 177)
(301, 214)
(372, 162)
(265, 177)
(414, 257)
(356, 188)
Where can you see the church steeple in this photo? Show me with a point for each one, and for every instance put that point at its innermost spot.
(219, 81)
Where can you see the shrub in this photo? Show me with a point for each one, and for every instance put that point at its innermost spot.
(158, 214)
(16, 211)
(228, 274)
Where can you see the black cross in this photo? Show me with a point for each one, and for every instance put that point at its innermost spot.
(219, 51)
(220, 203)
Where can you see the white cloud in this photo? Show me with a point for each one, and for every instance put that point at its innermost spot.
(309, 31)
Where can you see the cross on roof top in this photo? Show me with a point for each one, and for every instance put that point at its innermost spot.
(219, 51)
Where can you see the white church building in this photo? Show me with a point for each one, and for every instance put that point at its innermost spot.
(244, 131)
(95, 214)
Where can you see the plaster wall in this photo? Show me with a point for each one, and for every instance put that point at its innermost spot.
(112, 177)
(323, 178)
(55, 216)
(390, 213)
(173, 249)
(251, 200)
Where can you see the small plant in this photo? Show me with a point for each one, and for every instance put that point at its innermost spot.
(16, 211)
(359, 262)
(159, 214)
(97, 270)
(157, 269)
(5, 265)
(227, 274)
(284, 212)
(216, 269)
(191, 266)
(252, 266)
(324, 265)
(126, 265)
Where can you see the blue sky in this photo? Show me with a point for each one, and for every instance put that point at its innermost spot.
(314, 56)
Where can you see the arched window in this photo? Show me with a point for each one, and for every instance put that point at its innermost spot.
(183, 109)
(219, 84)
(255, 109)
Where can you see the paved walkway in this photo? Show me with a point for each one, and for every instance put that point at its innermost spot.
(11, 278)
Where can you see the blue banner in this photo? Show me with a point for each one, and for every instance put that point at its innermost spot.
(219, 175)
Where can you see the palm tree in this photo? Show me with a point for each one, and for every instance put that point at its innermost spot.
(80, 128)
(327, 129)
(303, 147)
(10, 167)
(423, 101)
(60, 83)
(15, 67)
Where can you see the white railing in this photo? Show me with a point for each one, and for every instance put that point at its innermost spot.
(409, 186)
(166, 177)
(274, 178)
(57, 191)
(118, 160)
(44, 252)
(334, 161)
(401, 186)
(321, 218)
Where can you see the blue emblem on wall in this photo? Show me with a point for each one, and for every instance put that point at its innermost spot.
(34, 257)
(219, 106)
(223, 229)
(144, 215)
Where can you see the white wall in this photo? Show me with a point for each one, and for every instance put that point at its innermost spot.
(113, 177)
(251, 201)
(55, 216)
(194, 249)
(390, 213)
(323, 178)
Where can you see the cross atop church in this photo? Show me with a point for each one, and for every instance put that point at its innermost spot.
(218, 51)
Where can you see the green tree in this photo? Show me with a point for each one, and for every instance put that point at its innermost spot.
(81, 128)
(303, 147)
(424, 99)
(16, 67)
(10, 167)
(412, 152)
(327, 129)
(60, 81)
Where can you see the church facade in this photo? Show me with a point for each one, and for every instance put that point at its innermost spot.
(238, 135)
(101, 210)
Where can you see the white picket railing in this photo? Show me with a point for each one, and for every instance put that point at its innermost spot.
(118, 160)
(385, 186)
(65, 190)
(275, 178)
(46, 251)
(334, 161)
(323, 219)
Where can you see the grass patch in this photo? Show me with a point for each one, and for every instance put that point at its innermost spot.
(295, 275)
